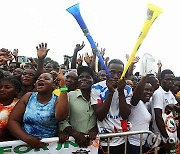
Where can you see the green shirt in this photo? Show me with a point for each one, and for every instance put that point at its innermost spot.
(81, 117)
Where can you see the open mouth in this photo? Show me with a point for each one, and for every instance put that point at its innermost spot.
(148, 96)
(40, 84)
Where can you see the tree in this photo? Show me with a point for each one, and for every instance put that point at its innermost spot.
(49, 60)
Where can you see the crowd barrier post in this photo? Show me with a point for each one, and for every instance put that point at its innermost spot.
(126, 134)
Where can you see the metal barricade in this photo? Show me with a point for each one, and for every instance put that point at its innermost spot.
(126, 134)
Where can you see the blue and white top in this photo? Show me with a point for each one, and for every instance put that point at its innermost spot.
(39, 119)
(112, 122)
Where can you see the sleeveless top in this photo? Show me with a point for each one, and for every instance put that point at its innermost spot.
(39, 119)
(5, 112)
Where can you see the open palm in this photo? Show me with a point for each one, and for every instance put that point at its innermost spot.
(42, 50)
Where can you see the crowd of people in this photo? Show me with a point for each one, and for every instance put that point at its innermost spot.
(38, 101)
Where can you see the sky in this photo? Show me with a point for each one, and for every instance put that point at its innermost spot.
(114, 24)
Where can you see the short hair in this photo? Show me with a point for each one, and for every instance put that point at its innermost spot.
(151, 79)
(115, 61)
(15, 82)
(164, 72)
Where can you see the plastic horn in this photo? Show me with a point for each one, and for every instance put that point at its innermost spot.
(152, 13)
(74, 10)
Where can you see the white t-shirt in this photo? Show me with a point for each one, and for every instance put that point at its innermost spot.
(140, 119)
(112, 123)
(160, 100)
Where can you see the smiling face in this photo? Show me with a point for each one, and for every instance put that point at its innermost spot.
(147, 93)
(44, 83)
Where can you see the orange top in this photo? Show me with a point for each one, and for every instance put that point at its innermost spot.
(178, 94)
(5, 112)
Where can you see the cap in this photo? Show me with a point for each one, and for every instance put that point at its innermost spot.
(87, 69)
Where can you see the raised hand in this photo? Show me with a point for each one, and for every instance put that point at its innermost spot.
(6, 55)
(106, 60)
(136, 59)
(79, 47)
(159, 64)
(42, 50)
(93, 50)
(87, 58)
(62, 80)
(15, 52)
(102, 52)
(80, 60)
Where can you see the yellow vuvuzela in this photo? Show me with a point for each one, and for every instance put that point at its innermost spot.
(152, 13)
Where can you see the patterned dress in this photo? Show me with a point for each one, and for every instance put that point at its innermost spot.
(5, 112)
(39, 119)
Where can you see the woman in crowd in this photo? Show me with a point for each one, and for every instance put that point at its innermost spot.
(140, 117)
(9, 88)
(28, 80)
(33, 117)
(17, 73)
(30, 74)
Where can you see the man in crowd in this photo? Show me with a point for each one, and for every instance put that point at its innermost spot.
(111, 102)
(163, 102)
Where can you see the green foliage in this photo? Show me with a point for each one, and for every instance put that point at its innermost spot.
(49, 60)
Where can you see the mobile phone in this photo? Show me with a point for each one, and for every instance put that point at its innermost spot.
(22, 59)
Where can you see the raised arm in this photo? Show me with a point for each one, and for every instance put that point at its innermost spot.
(74, 57)
(32, 62)
(138, 91)
(132, 66)
(41, 54)
(159, 64)
(87, 59)
(93, 61)
(62, 105)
